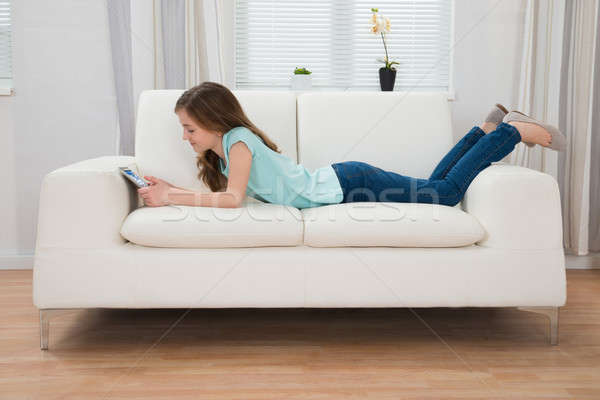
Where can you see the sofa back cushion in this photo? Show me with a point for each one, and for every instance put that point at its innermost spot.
(161, 151)
(404, 132)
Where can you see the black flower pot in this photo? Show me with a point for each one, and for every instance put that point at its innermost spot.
(387, 78)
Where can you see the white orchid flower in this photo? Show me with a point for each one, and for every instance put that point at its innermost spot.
(379, 24)
(382, 25)
(374, 19)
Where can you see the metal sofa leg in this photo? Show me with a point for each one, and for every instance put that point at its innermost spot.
(552, 314)
(45, 315)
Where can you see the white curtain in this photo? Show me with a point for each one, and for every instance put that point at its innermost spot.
(579, 165)
(561, 85)
(119, 22)
(538, 94)
(187, 47)
(188, 43)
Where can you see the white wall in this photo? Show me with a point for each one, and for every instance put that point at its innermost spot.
(487, 52)
(64, 109)
(8, 205)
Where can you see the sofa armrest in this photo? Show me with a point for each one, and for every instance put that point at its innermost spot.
(518, 207)
(83, 205)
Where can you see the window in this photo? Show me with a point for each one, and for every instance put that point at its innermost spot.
(332, 39)
(5, 48)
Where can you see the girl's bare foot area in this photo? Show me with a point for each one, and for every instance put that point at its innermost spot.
(532, 133)
(488, 127)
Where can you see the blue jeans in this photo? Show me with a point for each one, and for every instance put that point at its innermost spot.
(448, 182)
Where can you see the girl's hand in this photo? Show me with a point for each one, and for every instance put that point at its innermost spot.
(157, 194)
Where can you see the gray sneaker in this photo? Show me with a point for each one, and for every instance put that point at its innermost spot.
(496, 115)
(558, 141)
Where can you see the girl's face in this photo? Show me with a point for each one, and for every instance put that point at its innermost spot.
(201, 139)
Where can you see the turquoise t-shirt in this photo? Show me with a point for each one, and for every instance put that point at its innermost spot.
(276, 178)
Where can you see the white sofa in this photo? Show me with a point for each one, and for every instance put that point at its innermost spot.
(99, 246)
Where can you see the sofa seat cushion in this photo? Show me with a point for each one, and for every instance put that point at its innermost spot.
(389, 224)
(255, 224)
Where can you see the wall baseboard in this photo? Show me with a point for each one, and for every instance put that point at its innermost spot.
(25, 261)
(589, 261)
(16, 261)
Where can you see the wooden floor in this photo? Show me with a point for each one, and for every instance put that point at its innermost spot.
(474, 353)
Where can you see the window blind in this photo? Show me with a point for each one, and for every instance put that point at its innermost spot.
(332, 38)
(5, 45)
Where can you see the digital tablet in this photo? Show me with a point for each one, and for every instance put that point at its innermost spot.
(133, 177)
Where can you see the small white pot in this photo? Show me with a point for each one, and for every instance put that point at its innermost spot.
(301, 82)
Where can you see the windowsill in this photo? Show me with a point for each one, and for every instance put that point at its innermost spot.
(7, 91)
(450, 94)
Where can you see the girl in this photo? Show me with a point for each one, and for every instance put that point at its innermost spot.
(235, 159)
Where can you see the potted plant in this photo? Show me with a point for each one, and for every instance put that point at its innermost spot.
(387, 74)
(301, 80)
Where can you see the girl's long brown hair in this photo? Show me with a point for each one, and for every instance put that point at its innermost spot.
(213, 107)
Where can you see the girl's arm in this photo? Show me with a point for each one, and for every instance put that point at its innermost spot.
(240, 160)
(176, 196)
(161, 193)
